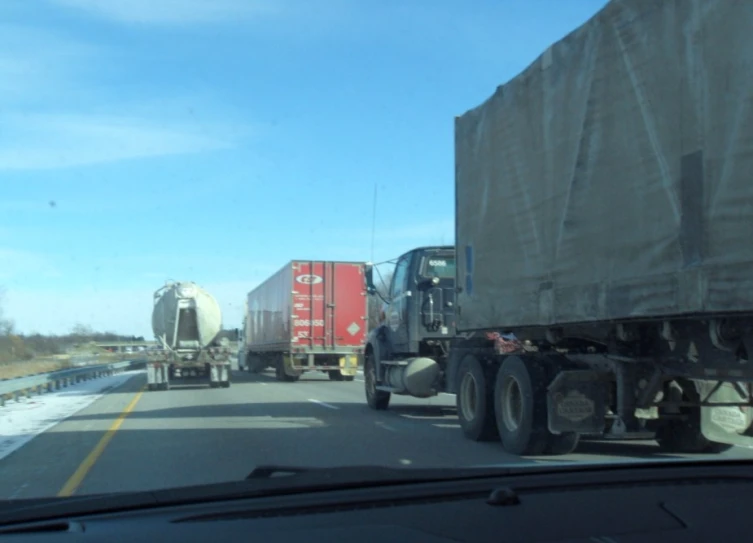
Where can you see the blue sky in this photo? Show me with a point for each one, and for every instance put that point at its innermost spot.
(214, 140)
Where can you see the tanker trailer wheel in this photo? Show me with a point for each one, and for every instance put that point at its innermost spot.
(335, 375)
(520, 407)
(475, 402)
(379, 400)
(281, 376)
(684, 435)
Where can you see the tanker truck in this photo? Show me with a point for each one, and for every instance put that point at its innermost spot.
(601, 279)
(186, 322)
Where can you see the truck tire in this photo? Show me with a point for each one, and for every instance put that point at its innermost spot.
(379, 400)
(562, 443)
(225, 384)
(152, 387)
(684, 435)
(283, 377)
(520, 407)
(475, 402)
(349, 378)
(335, 375)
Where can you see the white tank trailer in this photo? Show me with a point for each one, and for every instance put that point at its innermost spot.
(186, 322)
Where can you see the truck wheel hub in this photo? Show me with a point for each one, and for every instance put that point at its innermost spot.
(468, 398)
(512, 405)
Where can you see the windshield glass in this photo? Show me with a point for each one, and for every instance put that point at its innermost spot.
(220, 221)
(438, 265)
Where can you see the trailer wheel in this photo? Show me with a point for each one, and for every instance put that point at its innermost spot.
(284, 377)
(349, 378)
(562, 443)
(151, 387)
(335, 375)
(684, 435)
(520, 407)
(225, 384)
(475, 402)
(379, 400)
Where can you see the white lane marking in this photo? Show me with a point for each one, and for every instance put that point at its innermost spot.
(385, 426)
(405, 461)
(323, 404)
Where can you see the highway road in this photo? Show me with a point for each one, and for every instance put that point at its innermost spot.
(136, 440)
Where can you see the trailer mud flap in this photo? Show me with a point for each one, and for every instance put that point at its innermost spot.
(156, 373)
(219, 373)
(289, 367)
(576, 402)
(349, 365)
(727, 424)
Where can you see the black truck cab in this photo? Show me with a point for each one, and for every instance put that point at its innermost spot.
(406, 353)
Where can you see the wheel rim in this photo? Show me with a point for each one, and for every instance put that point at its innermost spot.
(512, 404)
(468, 396)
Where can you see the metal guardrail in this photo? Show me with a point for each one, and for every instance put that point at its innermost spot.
(55, 380)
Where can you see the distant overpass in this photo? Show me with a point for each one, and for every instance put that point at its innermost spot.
(120, 346)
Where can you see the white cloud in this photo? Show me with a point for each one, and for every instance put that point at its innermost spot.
(40, 65)
(173, 11)
(45, 141)
(58, 113)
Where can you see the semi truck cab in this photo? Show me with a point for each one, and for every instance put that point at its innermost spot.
(406, 353)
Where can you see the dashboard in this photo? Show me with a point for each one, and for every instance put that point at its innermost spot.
(655, 504)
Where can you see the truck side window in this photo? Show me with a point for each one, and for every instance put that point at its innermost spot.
(399, 278)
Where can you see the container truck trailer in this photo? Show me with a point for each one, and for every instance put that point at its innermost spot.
(309, 316)
(186, 322)
(601, 281)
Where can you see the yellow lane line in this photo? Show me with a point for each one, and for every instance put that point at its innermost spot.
(78, 476)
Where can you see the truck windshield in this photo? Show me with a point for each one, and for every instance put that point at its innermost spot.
(442, 266)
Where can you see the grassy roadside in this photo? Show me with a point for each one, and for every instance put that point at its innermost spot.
(11, 370)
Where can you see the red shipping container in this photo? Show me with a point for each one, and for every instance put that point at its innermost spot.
(310, 315)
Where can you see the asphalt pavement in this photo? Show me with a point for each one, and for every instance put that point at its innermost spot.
(132, 439)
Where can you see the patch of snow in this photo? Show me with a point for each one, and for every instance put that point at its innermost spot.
(23, 420)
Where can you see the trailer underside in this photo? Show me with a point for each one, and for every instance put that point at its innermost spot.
(211, 367)
(339, 366)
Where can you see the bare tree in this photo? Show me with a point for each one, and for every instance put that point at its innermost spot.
(6, 325)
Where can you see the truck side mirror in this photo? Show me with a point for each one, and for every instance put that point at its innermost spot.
(369, 275)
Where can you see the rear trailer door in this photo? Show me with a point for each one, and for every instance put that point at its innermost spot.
(329, 306)
(349, 306)
(308, 313)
